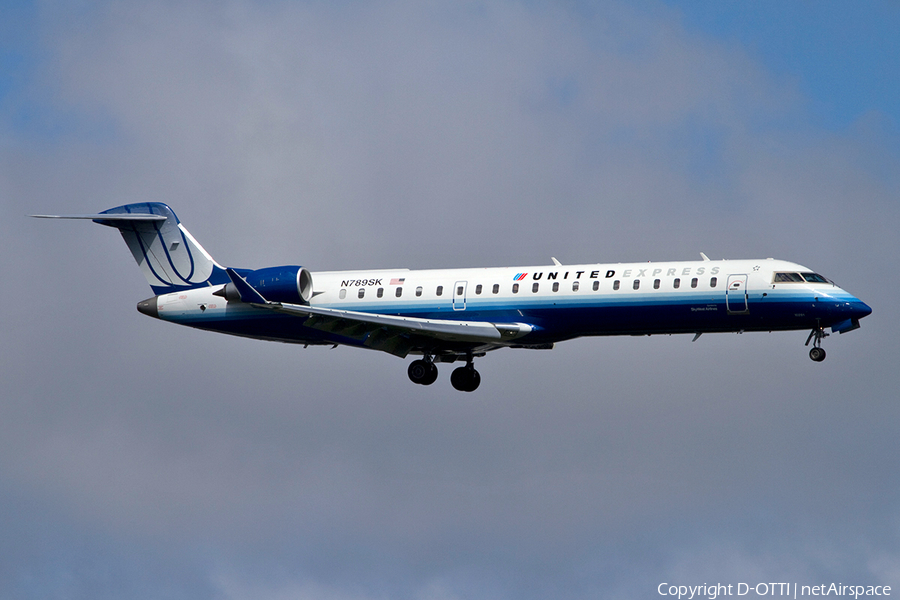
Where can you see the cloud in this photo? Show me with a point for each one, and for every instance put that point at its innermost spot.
(316, 110)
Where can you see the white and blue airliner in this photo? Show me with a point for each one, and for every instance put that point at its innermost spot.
(450, 315)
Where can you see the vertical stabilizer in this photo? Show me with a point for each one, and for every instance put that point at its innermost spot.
(166, 252)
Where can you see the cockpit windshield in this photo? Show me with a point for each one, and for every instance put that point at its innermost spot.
(799, 278)
(814, 278)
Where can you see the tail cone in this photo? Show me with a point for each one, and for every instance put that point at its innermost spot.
(149, 307)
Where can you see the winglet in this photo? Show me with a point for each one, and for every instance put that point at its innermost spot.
(248, 292)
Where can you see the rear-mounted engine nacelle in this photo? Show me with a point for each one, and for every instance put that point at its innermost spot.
(290, 284)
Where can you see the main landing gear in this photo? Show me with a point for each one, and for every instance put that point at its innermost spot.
(423, 372)
(817, 353)
(464, 379)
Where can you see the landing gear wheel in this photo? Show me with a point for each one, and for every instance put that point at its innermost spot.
(422, 372)
(465, 379)
(816, 352)
(432, 374)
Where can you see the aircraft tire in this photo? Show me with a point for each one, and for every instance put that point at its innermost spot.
(465, 379)
(419, 372)
(817, 354)
(474, 381)
(432, 375)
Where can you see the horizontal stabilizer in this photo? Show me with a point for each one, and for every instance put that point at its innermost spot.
(105, 217)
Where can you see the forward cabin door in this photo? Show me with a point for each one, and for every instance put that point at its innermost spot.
(736, 295)
(459, 295)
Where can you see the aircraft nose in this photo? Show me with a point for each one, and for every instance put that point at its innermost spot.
(860, 309)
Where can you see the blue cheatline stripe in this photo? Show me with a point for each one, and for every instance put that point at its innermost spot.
(553, 309)
(528, 301)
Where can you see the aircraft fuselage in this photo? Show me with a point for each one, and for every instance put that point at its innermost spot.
(560, 302)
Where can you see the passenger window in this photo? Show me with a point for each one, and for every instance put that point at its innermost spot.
(496, 288)
(616, 284)
(575, 286)
(380, 292)
(362, 292)
(656, 284)
(459, 290)
(343, 293)
(418, 291)
(596, 285)
(478, 289)
(555, 286)
(677, 283)
(534, 287)
(439, 291)
(713, 282)
(515, 288)
(637, 284)
(399, 292)
(694, 282)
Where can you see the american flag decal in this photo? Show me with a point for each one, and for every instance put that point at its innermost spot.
(398, 281)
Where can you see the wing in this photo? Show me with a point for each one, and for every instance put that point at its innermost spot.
(390, 333)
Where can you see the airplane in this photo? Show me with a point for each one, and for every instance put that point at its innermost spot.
(451, 315)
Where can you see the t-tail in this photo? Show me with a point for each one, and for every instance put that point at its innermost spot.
(168, 255)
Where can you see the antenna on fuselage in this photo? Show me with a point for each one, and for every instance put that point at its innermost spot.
(555, 262)
(705, 257)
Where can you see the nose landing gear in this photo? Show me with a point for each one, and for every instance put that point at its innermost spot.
(817, 353)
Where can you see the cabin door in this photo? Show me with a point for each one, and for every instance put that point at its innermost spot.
(736, 295)
(459, 295)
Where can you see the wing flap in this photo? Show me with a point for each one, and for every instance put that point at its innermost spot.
(389, 341)
(463, 331)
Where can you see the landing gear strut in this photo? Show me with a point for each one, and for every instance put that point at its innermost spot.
(422, 371)
(465, 379)
(817, 353)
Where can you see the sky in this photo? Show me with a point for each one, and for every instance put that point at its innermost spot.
(144, 460)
